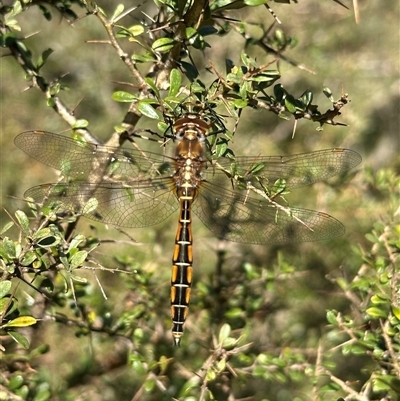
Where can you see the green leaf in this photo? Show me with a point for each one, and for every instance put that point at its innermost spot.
(306, 98)
(5, 287)
(79, 279)
(19, 338)
(49, 242)
(289, 104)
(136, 30)
(220, 149)
(254, 3)
(143, 58)
(21, 321)
(50, 102)
(28, 258)
(234, 313)
(77, 259)
(153, 86)
(123, 97)
(382, 383)
(3, 304)
(46, 12)
(23, 221)
(207, 30)
(162, 126)
(148, 110)
(47, 237)
(328, 93)
(379, 299)
(10, 305)
(279, 92)
(175, 82)
(192, 35)
(149, 385)
(211, 375)
(43, 58)
(221, 365)
(396, 311)
(376, 312)
(395, 384)
(190, 70)
(163, 44)
(43, 394)
(118, 11)
(90, 206)
(223, 5)
(55, 88)
(224, 333)
(9, 248)
(42, 233)
(6, 227)
(7, 39)
(331, 317)
(240, 103)
(15, 382)
(279, 186)
(371, 238)
(81, 123)
(76, 241)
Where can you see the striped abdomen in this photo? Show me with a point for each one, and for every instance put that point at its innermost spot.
(182, 260)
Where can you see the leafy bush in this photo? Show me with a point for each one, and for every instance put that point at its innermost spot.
(85, 307)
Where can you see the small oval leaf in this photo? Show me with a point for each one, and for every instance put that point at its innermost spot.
(376, 312)
(153, 86)
(148, 110)
(81, 123)
(328, 93)
(9, 248)
(5, 287)
(6, 227)
(175, 82)
(163, 44)
(78, 259)
(118, 11)
(28, 258)
(224, 333)
(123, 97)
(136, 30)
(396, 311)
(21, 321)
(19, 338)
(23, 221)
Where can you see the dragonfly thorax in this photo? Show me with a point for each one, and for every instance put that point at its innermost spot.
(191, 128)
(191, 133)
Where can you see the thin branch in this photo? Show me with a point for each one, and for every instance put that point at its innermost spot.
(389, 344)
(108, 26)
(345, 387)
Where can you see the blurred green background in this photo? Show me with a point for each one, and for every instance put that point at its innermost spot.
(359, 59)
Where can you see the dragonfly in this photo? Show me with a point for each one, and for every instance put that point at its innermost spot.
(130, 188)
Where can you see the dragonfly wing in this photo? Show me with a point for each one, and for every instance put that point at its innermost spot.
(237, 218)
(135, 206)
(81, 159)
(297, 170)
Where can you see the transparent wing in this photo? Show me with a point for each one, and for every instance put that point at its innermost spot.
(298, 170)
(79, 159)
(142, 205)
(139, 190)
(76, 159)
(235, 217)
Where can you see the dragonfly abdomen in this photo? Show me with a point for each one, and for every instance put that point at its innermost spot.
(182, 261)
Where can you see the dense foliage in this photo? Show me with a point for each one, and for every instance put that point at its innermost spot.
(85, 308)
